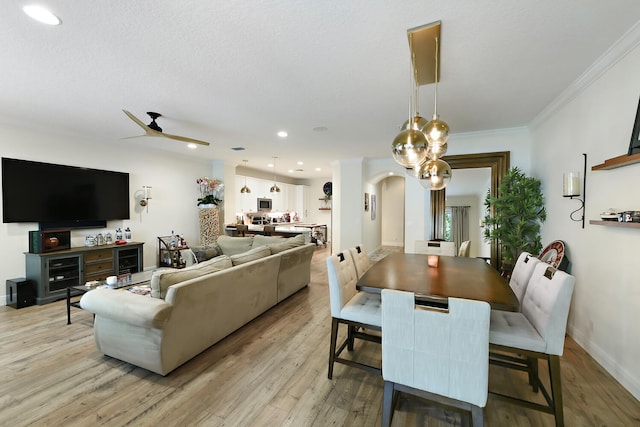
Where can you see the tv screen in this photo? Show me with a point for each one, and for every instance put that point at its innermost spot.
(49, 193)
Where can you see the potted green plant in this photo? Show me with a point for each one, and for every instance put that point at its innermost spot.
(514, 217)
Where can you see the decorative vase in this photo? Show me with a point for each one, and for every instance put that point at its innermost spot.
(209, 224)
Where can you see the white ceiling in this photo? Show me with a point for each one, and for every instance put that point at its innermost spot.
(234, 73)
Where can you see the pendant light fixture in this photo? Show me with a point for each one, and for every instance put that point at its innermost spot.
(409, 147)
(274, 188)
(435, 174)
(437, 131)
(245, 189)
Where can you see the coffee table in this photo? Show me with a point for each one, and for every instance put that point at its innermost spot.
(137, 279)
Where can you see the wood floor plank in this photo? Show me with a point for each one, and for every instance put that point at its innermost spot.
(272, 372)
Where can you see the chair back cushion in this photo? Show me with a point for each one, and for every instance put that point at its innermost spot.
(442, 352)
(360, 259)
(521, 274)
(546, 305)
(342, 281)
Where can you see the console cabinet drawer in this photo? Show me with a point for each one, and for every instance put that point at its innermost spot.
(98, 267)
(98, 255)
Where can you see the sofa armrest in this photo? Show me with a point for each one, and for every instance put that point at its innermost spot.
(137, 310)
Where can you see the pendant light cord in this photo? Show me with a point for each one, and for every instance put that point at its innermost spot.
(435, 107)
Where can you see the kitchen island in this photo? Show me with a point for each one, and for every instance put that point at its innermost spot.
(314, 233)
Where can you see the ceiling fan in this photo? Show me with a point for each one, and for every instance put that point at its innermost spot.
(152, 129)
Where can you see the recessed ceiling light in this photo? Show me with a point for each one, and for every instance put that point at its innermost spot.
(300, 163)
(290, 170)
(270, 165)
(283, 134)
(320, 129)
(390, 173)
(318, 169)
(41, 14)
(192, 146)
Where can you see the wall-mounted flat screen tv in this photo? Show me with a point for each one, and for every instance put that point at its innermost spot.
(64, 195)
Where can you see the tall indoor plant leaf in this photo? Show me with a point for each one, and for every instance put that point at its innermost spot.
(515, 215)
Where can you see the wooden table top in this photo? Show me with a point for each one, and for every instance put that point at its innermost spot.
(460, 277)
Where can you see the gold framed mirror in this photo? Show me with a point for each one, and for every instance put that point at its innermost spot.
(499, 163)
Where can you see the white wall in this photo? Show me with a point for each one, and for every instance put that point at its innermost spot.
(172, 177)
(605, 311)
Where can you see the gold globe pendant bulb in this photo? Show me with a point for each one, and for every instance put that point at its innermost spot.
(409, 147)
(436, 151)
(417, 123)
(434, 174)
(436, 131)
(274, 189)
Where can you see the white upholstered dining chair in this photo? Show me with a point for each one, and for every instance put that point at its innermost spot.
(464, 249)
(537, 332)
(438, 355)
(435, 247)
(521, 274)
(360, 259)
(357, 310)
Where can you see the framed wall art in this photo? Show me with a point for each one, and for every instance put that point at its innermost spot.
(366, 201)
(634, 145)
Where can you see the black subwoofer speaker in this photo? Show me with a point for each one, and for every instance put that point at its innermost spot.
(20, 293)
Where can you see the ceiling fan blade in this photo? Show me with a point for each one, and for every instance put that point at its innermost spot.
(135, 119)
(152, 132)
(184, 139)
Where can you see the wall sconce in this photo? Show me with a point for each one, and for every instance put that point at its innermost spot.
(571, 189)
(146, 195)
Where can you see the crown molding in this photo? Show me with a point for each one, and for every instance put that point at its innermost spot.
(620, 49)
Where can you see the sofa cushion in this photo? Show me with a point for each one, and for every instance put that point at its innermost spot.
(163, 278)
(204, 253)
(259, 240)
(235, 245)
(285, 244)
(252, 255)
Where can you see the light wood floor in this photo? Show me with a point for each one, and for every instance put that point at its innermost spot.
(272, 372)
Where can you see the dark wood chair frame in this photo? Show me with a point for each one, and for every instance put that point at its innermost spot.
(392, 390)
(526, 360)
(353, 332)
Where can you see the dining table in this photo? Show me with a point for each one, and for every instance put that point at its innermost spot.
(454, 276)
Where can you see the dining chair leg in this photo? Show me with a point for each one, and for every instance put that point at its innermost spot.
(332, 345)
(556, 389)
(350, 331)
(477, 416)
(387, 403)
(532, 364)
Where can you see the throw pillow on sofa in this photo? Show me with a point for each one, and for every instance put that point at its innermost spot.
(204, 253)
(162, 279)
(252, 255)
(285, 244)
(235, 245)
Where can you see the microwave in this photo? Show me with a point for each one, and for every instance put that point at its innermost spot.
(265, 205)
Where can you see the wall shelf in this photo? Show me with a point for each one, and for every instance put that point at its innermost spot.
(618, 162)
(615, 223)
(324, 209)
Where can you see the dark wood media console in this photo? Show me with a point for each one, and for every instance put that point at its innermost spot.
(53, 272)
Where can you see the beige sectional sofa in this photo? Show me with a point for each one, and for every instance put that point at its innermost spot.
(193, 308)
